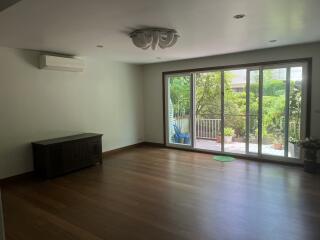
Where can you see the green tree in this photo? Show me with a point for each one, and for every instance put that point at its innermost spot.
(208, 102)
(179, 89)
(295, 110)
(208, 94)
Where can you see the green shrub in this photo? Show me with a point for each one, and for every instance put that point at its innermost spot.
(229, 132)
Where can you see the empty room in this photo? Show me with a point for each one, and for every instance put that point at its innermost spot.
(162, 120)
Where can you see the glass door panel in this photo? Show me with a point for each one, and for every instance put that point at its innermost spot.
(235, 89)
(273, 111)
(208, 110)
(253, 111)
(179, 109)
(295, 111)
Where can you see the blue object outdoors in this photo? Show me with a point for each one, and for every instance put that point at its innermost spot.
(178, 136)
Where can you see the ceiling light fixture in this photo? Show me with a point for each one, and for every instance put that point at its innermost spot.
(239, 16)
(154, 37)
(272, 41)
(99, 46)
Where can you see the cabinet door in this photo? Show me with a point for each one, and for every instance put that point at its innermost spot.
(69, 156)
(55, 164)
(94, 149)
(83, 154)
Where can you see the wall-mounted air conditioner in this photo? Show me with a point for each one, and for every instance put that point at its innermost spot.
(61, 63)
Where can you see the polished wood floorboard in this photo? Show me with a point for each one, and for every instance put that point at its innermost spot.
(158, 193)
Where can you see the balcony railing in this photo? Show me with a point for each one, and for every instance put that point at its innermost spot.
(208, 128)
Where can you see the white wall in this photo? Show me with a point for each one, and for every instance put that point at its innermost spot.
(121, 101)
(152, 75)
(39, 104)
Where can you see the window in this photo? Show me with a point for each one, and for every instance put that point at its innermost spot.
(256, 110)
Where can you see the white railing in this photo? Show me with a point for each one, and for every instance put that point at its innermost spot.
(208, 128)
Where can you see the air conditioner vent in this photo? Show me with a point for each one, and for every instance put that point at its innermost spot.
(61, 63)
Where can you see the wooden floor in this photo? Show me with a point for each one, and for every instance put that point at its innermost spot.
(153, 193)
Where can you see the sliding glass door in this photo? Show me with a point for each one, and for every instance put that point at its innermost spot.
(274, 111)
(255, 111)
(179, 110)
(295, 111)
(235, 108)
(282, 110)
(208, 110)
(253, 96)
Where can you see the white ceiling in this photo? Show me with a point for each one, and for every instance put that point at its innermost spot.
(206, 26)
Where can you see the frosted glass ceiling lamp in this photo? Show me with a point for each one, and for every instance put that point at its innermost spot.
(154, 37)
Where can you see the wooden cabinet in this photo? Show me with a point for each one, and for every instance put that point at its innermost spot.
(58, 156)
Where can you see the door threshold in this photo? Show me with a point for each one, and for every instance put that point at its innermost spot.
(243, 156)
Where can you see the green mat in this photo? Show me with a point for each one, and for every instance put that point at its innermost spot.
(223, 158)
